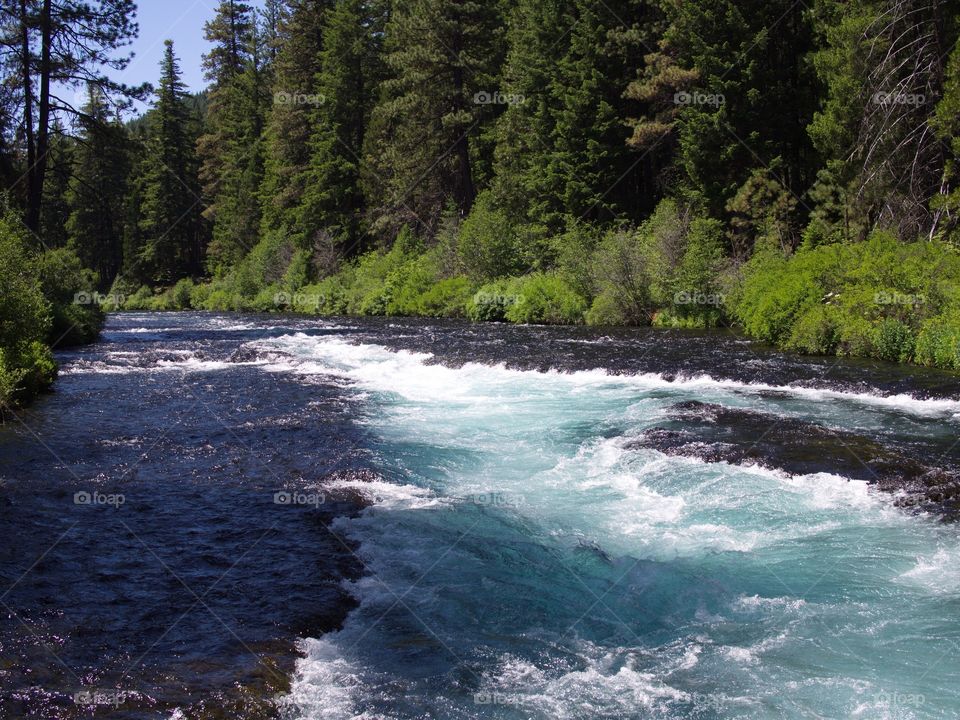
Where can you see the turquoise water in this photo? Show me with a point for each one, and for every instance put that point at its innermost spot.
(525, 559)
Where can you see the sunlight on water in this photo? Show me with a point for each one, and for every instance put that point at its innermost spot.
(528, 560)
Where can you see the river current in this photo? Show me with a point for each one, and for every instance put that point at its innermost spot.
(255, 516)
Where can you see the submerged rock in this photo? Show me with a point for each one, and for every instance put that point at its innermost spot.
(716, 433)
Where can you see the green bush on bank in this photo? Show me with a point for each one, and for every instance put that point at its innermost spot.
(879, 298)
(45, 298)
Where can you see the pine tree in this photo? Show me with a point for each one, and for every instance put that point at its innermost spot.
(98, 189)
(55, 206)
(561, 154)
(351, 69)
(50, 45)
(426, 131)
(230, 150)
(290, 122)
(883, 63)
(169, 223)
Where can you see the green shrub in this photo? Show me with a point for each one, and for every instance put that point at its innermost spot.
(488, 245)
(938, 343)
(696, 300)
(181, 294)
(546, 299)
(26, 363)
(72, 292)
(492, 301)
(816, 331)
(139, 300)
(447, 298)
(605, 311)
(200, 295)
(879, 298)
(893, 341)
(407, 283)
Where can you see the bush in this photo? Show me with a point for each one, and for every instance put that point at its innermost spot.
(816, 332)
(26, 364)
(492, 301)
(408, 282)
(71, 289)
(447, 298)
(488, 245)
(545, 299)
(181, 295)
(938, 343)
(878, 298)
(696, 300)
(893, 341)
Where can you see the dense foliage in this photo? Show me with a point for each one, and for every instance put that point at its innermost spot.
(788, 167)
(46, 299)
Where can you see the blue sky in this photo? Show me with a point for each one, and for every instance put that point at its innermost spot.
(179, 20)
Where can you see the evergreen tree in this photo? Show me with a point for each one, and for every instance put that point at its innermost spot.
(883, 65)
(50, 45)
(169, 222)
(97, 190)
(230, 150)
(56, 206)
(351, 69)
(425, 133)
(561, 152)
(751, 98)
(290, 123)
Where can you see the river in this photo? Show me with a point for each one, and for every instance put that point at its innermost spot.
(236, 516)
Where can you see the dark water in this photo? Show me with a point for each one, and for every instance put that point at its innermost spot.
(149, 564)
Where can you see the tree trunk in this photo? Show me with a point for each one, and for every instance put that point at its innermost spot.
(38, 168)
(33, 201)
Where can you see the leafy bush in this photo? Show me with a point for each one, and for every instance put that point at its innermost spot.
(492, 301)
(408, 282)
(71, 290)
(547, 299)
(816, 332)
(181, 294)
(488, 245)
(938, 343)
(696, 300)
(878, 298)
(26, 364)
(447, 298)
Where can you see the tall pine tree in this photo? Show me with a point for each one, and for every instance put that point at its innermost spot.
(426, 131)
(171, 232)
(98, 189)
(232, 161)
(351, 70)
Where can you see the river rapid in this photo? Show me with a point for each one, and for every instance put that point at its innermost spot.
(235, 516)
